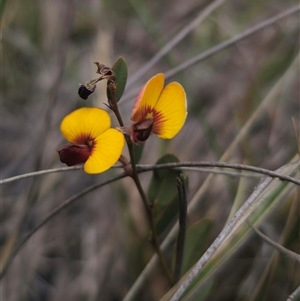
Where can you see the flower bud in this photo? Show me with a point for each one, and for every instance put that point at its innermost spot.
(84, 92)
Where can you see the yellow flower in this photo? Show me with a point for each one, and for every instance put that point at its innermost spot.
(94, 143)
(158, 109)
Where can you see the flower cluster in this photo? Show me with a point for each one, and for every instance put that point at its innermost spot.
(158, 109)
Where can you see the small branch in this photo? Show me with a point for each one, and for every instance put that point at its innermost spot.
(182, 165)
(219, 172)
(50, 215)
(277, 246)
(182, 227)
(112, 100)
(38, 173)
(272, 174)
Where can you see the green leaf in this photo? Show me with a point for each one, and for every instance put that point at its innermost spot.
(195, 242)
(165, 214)
(162, 189)
(121, 71)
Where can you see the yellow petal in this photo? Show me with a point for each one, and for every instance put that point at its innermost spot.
(148, 97)
(84, 122)
(106, 152)
(171, 111)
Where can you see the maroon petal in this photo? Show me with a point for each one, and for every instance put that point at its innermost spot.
(141, 131)
(74, 154)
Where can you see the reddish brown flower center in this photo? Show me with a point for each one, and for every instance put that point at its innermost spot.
(74, 154)
(141, 130)
(85, 139)
(79, 152)
(156, 116)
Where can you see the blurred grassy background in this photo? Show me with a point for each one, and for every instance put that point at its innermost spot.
(96, 249)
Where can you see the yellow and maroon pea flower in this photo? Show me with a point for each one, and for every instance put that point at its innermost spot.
(93, 142)
(159, 109)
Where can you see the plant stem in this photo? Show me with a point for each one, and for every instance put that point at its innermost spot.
(189, 166)
(147, 205)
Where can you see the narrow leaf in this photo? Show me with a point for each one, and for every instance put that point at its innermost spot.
(121, 71)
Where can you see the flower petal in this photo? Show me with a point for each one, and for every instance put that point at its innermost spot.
(147, 98)
(74, 154)
(170, 111)
(84, 122)
(106, 152)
